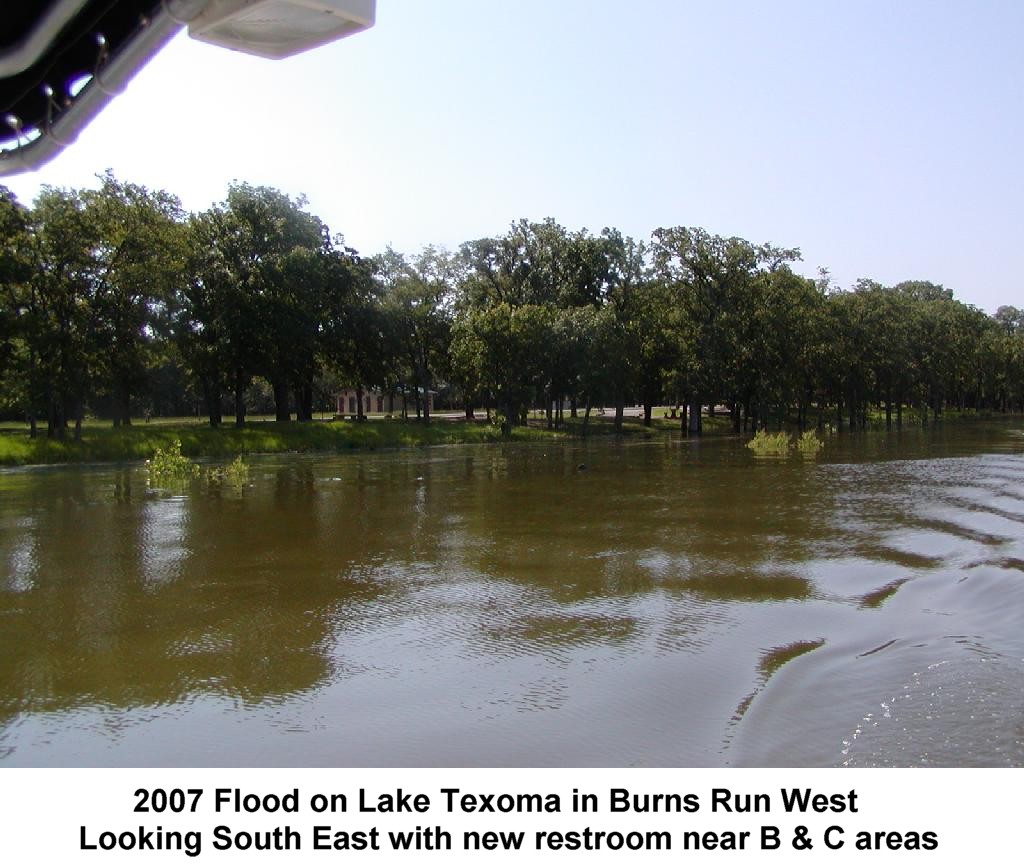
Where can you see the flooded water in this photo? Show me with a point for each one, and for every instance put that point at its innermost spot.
(673, 603)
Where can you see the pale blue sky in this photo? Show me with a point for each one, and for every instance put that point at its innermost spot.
(885, 139)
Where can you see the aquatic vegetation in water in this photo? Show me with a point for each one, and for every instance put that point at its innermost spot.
(170, 466)
(809, 445)
(236, 473)
(780, 444)
(764, 443)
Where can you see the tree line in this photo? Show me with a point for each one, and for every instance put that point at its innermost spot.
(115, 302)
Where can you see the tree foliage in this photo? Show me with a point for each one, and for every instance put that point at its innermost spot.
(115, 302)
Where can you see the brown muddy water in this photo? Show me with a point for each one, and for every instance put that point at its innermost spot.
(676, 603)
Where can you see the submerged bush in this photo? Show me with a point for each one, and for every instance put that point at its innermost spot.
(501, 423)
(169, 465)
(809, 444)
(236, 473)
(764, 443)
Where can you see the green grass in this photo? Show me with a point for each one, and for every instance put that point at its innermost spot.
(101, 442)
(140, 442)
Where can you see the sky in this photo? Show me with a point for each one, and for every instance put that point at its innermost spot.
(884, 139)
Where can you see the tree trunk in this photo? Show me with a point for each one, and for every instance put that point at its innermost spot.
(425, 389)
(126, 406)
(121, 411)
(694, 425)
(648, 409)
(304, 402)
(307, 402)
(57, 426)
(281, 412)
(211, 394)
(239, 399)
(360, 417)
(33, 429)
(620, 406)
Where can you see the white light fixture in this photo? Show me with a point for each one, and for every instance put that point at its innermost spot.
(280, 28)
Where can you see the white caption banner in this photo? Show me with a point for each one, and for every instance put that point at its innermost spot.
(507, 816)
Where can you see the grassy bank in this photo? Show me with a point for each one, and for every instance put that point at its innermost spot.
(139, 442)
(101, 442)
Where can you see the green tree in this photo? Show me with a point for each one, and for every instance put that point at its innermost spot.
(506, 346)
(713, 279)
(62, 324)
(257, 297)
(360, 335)
(136, 265)
(419, 296)
(15, 271)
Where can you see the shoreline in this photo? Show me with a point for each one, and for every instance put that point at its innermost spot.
(103, 445)
(107, 445)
